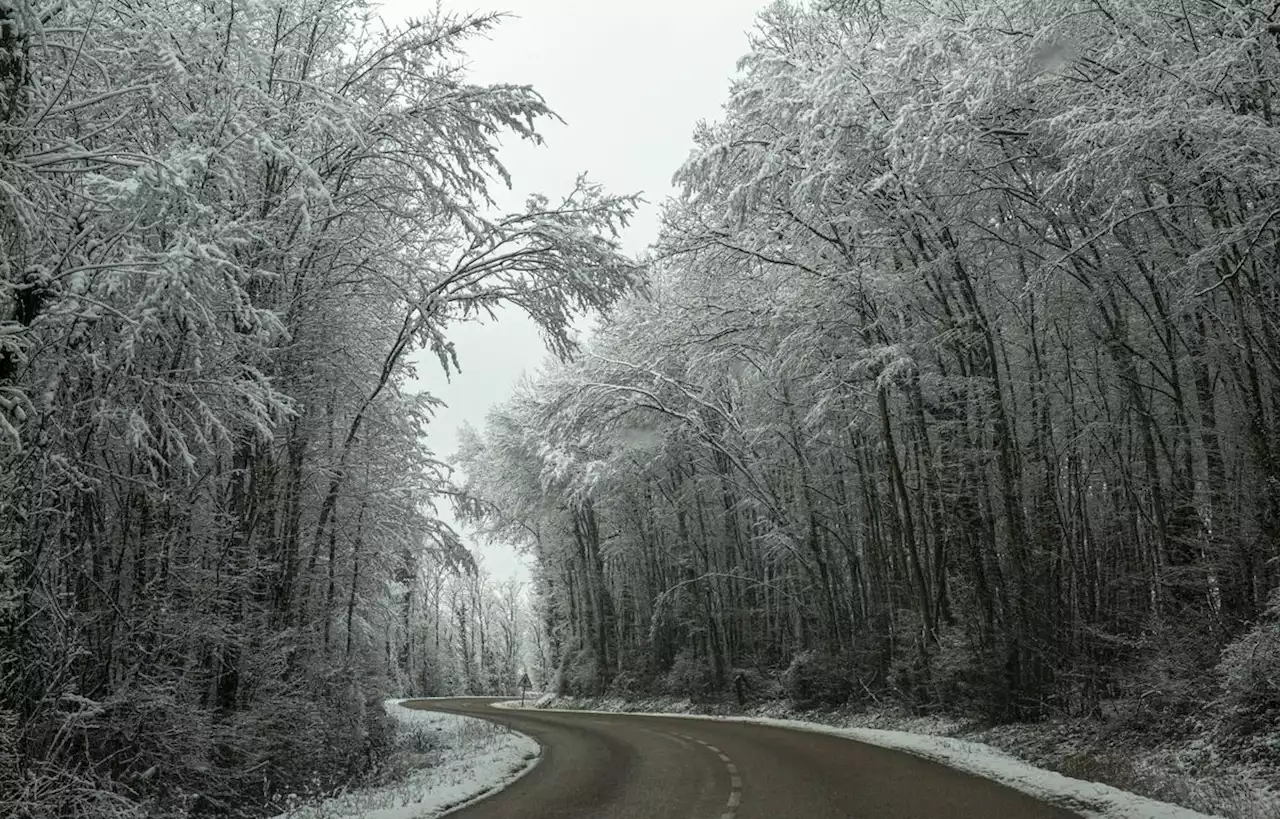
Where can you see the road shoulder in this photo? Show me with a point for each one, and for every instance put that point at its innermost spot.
(446, 762)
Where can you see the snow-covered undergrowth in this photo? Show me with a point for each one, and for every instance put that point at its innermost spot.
(442, 762)
(1202, 783)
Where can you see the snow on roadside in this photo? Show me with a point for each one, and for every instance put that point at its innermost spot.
(454, 760)
(1090, 799)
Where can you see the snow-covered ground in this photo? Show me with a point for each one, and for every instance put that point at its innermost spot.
(1090, 799)
(451, 761)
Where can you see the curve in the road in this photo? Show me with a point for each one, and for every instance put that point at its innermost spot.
(621, 766)
(735, 780)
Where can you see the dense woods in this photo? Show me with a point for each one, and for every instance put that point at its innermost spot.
(956, 382)
(952, 381)
(225, 229)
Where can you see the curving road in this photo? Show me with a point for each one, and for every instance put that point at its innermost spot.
(620, 766)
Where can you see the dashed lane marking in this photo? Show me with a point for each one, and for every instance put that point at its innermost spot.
(735, 781)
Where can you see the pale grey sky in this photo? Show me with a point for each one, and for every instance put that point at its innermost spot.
(631, 80)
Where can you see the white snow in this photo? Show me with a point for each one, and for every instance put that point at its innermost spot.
(1090, 799)
(466, 759)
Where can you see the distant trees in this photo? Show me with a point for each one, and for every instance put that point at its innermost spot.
(958, 373)
(222, 228)
(464, 633)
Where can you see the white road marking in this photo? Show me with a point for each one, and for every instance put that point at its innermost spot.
(735, 781)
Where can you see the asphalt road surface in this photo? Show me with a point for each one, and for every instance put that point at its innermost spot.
(620, 766)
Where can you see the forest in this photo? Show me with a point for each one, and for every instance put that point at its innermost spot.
(226, 230)
(954, 383)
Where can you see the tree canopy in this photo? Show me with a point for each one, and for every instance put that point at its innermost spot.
(957, 379)
(224, 227)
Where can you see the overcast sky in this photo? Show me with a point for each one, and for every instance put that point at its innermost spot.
(630, 79)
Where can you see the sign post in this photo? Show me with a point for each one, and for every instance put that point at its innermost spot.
(524, 687)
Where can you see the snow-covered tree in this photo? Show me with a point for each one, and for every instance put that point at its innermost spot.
(223, 229)
(956, 378)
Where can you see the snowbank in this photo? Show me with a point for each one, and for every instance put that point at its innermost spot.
(1089, 799)
(454, 760)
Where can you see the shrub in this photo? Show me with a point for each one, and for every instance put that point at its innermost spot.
(580, 676)
(627, 684)
(1250, 674)
(756, 685)
(815, 679)
(959, 678)
(637, 676)
(690, 676)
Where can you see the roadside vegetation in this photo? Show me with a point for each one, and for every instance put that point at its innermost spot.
(955, 389)
(228, 230)
(437, 762)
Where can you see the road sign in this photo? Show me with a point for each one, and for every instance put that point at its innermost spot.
(524, 687)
